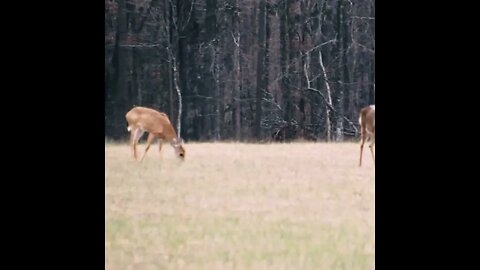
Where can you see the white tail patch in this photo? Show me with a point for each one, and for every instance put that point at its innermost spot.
(373, 107)
(129, 128)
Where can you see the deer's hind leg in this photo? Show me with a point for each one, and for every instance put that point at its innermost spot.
(372, 144)
(135, 135)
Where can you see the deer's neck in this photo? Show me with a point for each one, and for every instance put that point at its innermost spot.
(170, 134)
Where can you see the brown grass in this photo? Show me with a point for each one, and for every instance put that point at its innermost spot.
(240, 206)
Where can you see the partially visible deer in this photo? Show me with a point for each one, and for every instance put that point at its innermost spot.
(157, 124)
(367, 124)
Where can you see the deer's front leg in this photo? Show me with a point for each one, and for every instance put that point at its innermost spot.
(150, 139)
(371, 150)
(361, 149)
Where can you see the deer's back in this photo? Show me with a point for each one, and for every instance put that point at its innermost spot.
(146, 118)
(367, 117)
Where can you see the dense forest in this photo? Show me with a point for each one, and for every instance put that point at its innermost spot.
(249, 70)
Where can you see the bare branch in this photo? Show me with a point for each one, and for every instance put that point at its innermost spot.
(307, 61)
(189, 15)
(327, 85)
(199, 96)
(174, 10)
(234, 40)
(274, 103)
(271, 100)
(363, 46)
(324, 43)
(329, 104)
(362, 18)
(331, 107)
(140, 45)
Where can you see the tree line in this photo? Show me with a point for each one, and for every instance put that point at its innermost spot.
(250, 70)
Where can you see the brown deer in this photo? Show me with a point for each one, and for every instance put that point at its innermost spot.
(367, 124)
(157, 124)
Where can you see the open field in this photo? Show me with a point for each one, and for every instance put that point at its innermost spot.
(240, 206)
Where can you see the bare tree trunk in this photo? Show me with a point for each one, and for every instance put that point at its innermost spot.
(217, 94)
(295, 66)
(340, 72)
(371, 91)
(136, 75)
(236, 66)
(261, 84)
(121, 80)
(179, 93)
(172, 51)
(170, 87)
(285, 67)
(372, 71)
(170, 69)
(325, 77)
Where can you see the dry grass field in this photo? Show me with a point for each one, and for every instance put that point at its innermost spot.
(240, 206)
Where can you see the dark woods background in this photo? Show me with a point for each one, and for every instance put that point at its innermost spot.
(243, 69)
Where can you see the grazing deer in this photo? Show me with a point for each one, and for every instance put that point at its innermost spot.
(157, 124)
(367, 123)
